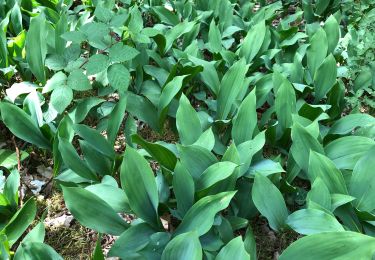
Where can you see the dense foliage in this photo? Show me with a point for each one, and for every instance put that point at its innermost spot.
(257, 94)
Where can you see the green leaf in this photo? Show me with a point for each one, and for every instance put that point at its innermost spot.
(61, 98)
(245, 121)
(36, 47)
(118, 77)
(253, 42)
(56, 81)
(214, 38)
(235, 249)
(319, 194)
(321, 6)
(322, 167)
(248, 149)
(231, 85)
(195, 159)
(96, 139)
(362, 182)
(312, 221)
(303, 142)
(168, 93)
(332, 29)
(187, 122)
(183, 189)
(115, 197)
(10, 189)
(8, 158)
(98, 252)
(125, 246)
(137, 179)
(73, 161)
(325, 77)
(115, 119)
(122, 53)
(20, 221)
(184, 246)
(93, 212)
(36, 234)
(331, 245)
(78, 81)
(348, 123)
(265, 167)
(37, 251)
(97, 63)
(270, 202)
(250, 244)
(285, 103)
(215, 173)
(200, 216)
(74, 36)
(96, 161)
(317, 51)
(165, 15)
(162, 154)
(21, 125)
(346, 151)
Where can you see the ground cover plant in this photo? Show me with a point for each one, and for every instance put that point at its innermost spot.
(175, 129)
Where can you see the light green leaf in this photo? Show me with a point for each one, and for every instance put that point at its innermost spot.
(332, 29)
(214, 38)
(122, 53)
(200, 216)
(348, 123)
(331, 245)
(317, 51)
(187, 122)
(285, 104)
(325, 77)
(61, 98)
(78, 81)
(245, 121)
(93, 212)
(183, 189)
(253, 41)
(115, 197)
(37, 251)
(270, 202)
(115, 119)
(137, 179)
(235, 249)
(184, 246)
(97, 63)
(118, 77)
(312, 221)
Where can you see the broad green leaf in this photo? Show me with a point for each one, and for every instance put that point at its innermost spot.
(206, 140)
(319, 194)
(231, 85)
(214, 38)
(270, 202)
(121, 53)
(96, 139)
(348, 123)
(245, 121)
(265, 167)
(73, 161)
(362, 182)
(159, 152)
(285, 104)
(322, 167)
(103, 14)
(331, 245)
(74, 36)
(303, 142)
(195, 159)
(78, 81)
(183, 189)
(98, 252)
(93, 212)
(21, 125)
(325, 77)
(321, 6)
(215, 173)
(332, 29)
(37, 251)
(83, 107)
(187, 122)
(346, 151)
(125, 246)
(36, 234)
(200, 216)
(248, 149)
(115, 119)
(317, 51)
(115, 197)
(137, 179)
(250, 244)
(61, 98)
(97, 63)
(8, 158)
(10, 189)
(235, 249)
(118, 77)
(209, 74)
(176, 32)
(166, 15)
(36, 47)
(253, 42)
(168, 93)
(185, 246)
(312, 221)
(143, 109)
(20, 221)
(100, 164)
